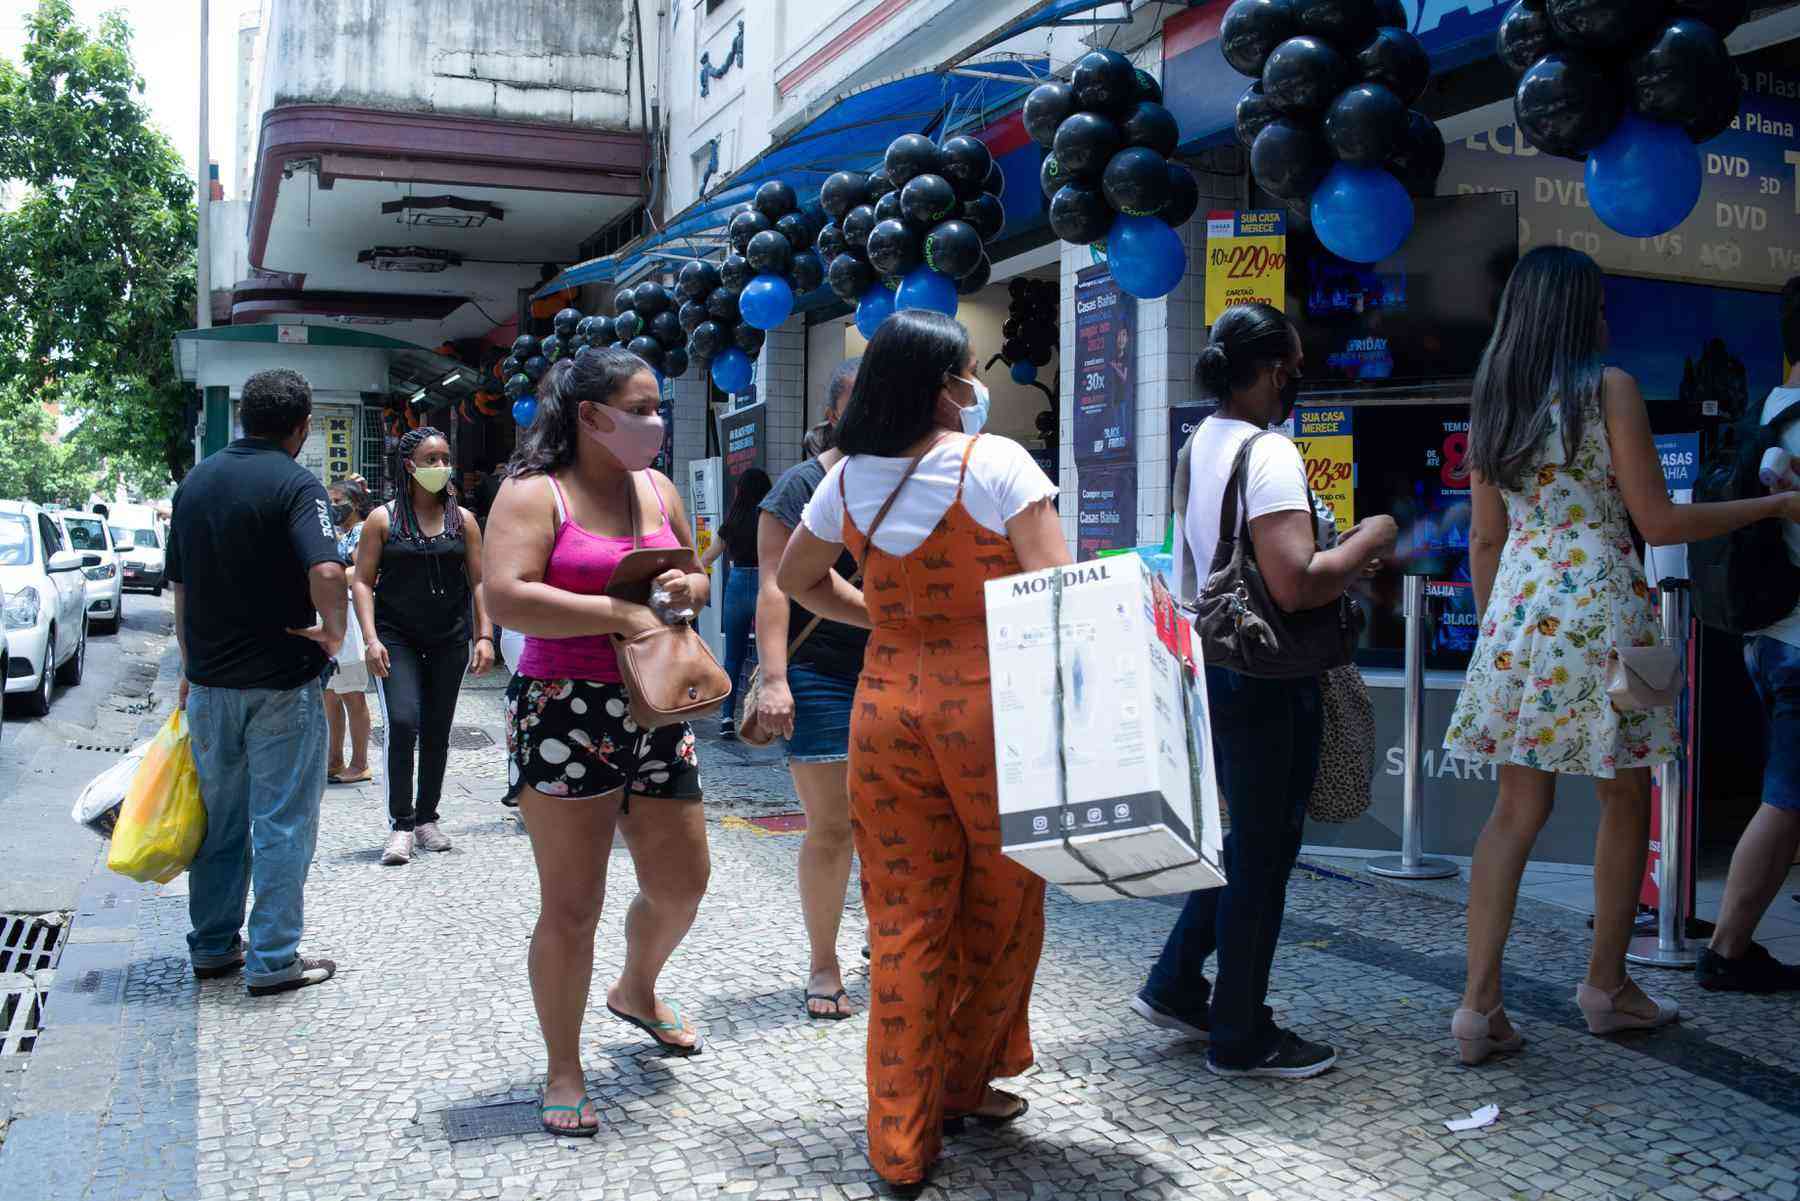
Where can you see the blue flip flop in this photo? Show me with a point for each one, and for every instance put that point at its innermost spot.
(575, 1131)
(652, 1028)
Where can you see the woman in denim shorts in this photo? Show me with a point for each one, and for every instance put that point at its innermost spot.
(807, 700)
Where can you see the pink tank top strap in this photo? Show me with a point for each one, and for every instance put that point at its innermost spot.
(661, 504)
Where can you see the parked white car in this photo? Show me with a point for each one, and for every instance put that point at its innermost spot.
(45, 615)
(144, 563)
(88, 533)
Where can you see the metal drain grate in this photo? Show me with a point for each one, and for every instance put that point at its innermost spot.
(462, 738)
(507, 1118)
(94, 746)
(29, 947)
(30, 941)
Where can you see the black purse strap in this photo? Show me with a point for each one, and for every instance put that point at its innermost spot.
(1229, 549)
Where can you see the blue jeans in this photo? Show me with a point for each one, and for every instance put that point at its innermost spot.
(1775, 670)
(1266, 751)
(261, 758)
(822, 705)
(737, 621)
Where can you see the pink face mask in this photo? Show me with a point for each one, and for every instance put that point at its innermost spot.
(633, 440)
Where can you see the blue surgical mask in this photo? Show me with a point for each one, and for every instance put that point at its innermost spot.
(975, 416)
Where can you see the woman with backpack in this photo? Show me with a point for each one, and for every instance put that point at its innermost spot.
(1564, 466)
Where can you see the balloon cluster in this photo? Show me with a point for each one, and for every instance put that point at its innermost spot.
(913, 234)
(1632, 87)
(1329, 120)
(1030, 329)
(711, 317)
(1107, 174)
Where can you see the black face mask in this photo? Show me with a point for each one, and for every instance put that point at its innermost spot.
(1290, 396)
(340, 513)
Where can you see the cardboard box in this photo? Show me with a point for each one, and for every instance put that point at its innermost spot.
(1116, 808)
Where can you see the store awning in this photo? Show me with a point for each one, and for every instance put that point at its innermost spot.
(847, 132)
(411, 369)
(1085, 13)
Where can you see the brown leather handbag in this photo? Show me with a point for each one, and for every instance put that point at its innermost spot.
(670, 674)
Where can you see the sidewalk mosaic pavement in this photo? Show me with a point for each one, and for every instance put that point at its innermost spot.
(340, 1091)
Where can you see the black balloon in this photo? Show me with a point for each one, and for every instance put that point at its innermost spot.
(534, 367)
(977, 279)
(524, 346)
(1254, 112)
(893, 248)
(849, 277)
(1672, 76)
(911, 155)
(1567, 104)
(647, 349)
(691, 315)
(927, 199)
(776, 199)
(1046, 108)
(1303, 75)
(624, 300)
(1525, 36)
(1013, 349)
(1086, 142)
(722, 305)
(1253, 28)
(807, 273)
(888, 208)
(1722, 107)
(1051, 176)
(797, 230)
(842, 192)
(734, 272)
(966, 161)
(1391, 14)
(1149, 88)
(602, 331)
(1104, 81)
(653, 298)
(1397, 61)
(879, 185)
(995, 183)
(697, 279)
(1080, 214)
(986, 214)
(831, 242)
(628, 325)
(952, 248)
(1722, 15)
(565, 321)
(1151, 125)
(858, 222)
(1601, 24)
(707, 340)
(1040, 351)
(1184, 196)
(665, 327)
(517, 385)
(749, 339)
(675, 362)
(509, 366)
(553, 347)
(770, 253)
(1289, 160)
(587, 354)
(744, 225)
(1136, 182)
(1347, 24)
(1365, 125)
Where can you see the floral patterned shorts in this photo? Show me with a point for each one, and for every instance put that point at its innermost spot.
(575, 738)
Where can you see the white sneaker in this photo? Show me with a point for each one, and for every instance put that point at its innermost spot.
(399, 848)
(429, 838)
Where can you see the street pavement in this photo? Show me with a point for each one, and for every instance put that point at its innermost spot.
(151, 1085)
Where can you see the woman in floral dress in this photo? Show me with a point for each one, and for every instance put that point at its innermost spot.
(1564, 466)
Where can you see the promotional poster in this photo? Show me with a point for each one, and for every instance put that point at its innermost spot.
(1183, 421)
(743, 446)
(1324, 436)
(1105, 348)
(1107, 516)
(1246, 260)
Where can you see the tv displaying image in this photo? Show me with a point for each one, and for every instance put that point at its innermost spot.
(1421, 316)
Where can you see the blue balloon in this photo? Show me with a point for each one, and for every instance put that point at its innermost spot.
(876, 306)
(525, 410)
(731, 370)
(1024, 372)
(924, 288)
(1146, 256)
(1645, 179)
(1362, 214)
(766, 301)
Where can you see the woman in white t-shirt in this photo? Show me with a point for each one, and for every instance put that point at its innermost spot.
(1265, 733)
(932, 511)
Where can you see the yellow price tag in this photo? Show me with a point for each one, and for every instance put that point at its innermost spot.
(1246, 260)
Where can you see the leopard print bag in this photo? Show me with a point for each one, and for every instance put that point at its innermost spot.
(1343, 788)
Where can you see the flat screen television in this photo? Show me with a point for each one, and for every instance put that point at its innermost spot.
(1418, 318)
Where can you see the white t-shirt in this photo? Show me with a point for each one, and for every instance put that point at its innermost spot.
(1788, 628)
(1274, 482)
(1003, 480)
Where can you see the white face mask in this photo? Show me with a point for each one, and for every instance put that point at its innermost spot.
(975, 416)
(432, 479)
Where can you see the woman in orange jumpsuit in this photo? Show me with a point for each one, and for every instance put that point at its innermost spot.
(932, 511)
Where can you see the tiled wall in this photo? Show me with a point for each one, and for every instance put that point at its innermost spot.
(782, 378)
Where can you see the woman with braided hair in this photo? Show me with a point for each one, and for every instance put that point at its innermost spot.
(418, 587)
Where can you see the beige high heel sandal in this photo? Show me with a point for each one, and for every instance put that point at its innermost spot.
(1601, 1009)
(1472, 1031)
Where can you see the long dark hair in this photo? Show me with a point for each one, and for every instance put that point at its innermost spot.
(894, 403)
(1544, 357)
(739, 527)
(406, 517)
(1245, 339)
(549, 443)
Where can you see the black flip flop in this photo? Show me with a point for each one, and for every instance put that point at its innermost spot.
(652, 1028)
(835, 1014)
(954, 1123)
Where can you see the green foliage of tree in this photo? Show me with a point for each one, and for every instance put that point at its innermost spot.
(97, 251)
(34, 465)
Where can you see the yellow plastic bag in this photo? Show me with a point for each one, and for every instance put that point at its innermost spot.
(161, 822)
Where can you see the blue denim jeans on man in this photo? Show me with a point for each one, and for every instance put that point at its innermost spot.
(1265, 751)
(1775, 670)
(261, 759)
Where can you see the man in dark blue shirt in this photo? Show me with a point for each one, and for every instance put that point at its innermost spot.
(260, 605)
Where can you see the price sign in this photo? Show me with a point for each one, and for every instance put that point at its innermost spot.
(1324, 436)
(1246, 259)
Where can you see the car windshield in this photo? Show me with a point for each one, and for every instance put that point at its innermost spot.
(85, 533)
(15, 540)
(143, 538)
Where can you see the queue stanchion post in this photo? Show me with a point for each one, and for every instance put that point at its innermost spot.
(1412, 863)
(1669, 946)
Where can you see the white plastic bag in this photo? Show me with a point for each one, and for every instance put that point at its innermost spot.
(512, 646)
(97, 807)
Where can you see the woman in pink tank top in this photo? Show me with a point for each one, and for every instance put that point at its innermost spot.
(580, 767)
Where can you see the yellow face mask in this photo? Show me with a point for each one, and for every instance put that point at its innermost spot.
(432, 479)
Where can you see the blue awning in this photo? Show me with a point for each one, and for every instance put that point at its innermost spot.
(1057, 12)
(850, 132)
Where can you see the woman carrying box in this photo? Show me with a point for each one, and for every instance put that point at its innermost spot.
(932, 511)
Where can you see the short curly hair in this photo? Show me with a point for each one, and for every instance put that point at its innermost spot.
(274, 402)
